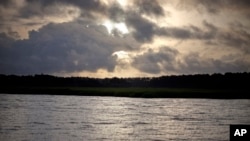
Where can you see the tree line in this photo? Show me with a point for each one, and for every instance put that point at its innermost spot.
(210, 81)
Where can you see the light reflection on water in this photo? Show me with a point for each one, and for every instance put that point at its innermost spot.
(63, 118)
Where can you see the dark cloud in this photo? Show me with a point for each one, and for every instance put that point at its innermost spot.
(116, 33)
(195, 63)
(150, 7)
(189, 32)
(209, 33)
(90, 5)
(166, 61)
(150, 61)
(116, 13)
(216, 6)
(87, 5)
(19, 14)
(45, 8)
(5, 41)
(5, 6)
(68, 47)
(144, 29)
(35, 9)
(174, 32)
(81, 43)
(5, 3)
(210, 26)
(238, 5)
(240, 40)
(237, 37)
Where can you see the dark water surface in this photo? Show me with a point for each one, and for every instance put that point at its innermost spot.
(74, 118)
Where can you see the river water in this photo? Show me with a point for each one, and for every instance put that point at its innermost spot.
(74, 118)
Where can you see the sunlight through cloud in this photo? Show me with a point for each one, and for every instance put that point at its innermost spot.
(122, 27)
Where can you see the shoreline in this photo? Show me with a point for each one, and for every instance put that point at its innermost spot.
(132, 92)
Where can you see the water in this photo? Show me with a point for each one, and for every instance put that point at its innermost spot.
(74, 118)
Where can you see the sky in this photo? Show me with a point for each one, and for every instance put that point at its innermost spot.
(124, 38)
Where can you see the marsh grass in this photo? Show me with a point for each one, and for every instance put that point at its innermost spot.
(146, 92)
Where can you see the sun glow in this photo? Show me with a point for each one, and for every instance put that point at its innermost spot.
(123, 3)
(123, 57)
(108, 25)
(122, 27)
(121, 54)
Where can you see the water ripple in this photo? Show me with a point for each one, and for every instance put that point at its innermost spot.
(44, 117)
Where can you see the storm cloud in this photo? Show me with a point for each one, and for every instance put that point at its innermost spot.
(152, 62)
(172, 62)
(142, 37)
(150, 7)
(143, 29)
(67, 47)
